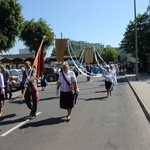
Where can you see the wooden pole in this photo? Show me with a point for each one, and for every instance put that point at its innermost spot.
(24, 91)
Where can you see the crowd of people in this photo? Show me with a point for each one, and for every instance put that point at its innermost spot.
(67, 86)
(66, 82)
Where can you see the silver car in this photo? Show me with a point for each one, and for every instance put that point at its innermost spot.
(15, 78)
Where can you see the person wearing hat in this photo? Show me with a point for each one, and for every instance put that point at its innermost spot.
(108, 80)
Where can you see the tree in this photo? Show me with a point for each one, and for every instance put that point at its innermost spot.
(143, 35)
(10, 23)
(109, 54)
(32, 34)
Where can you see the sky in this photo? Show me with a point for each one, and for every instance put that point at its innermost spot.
(93, 21)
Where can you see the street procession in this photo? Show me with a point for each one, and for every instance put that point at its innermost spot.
(74, 75)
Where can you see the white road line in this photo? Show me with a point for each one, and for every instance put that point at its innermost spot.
(17, 126)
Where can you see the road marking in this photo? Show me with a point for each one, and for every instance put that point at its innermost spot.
(17, 126)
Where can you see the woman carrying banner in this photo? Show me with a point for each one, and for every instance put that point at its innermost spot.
(66, 78)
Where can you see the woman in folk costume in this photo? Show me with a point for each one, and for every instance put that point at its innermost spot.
(108, 80)
(66, 78)
(31, 93)
(2, 93)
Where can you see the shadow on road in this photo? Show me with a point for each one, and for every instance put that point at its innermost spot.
(100, 91)
(11, 121)
(104, 98)
(48, 121)
(49, 98)
(7, 116)
(17, 102)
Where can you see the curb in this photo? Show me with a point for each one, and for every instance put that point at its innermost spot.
(139, 99)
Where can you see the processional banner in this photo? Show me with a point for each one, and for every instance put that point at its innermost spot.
(88, 54)
(60, 46)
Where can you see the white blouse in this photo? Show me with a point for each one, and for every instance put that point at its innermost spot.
(1, 81)
(108, 76)
(70, 76)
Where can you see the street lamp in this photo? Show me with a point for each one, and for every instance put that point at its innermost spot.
(136, 42)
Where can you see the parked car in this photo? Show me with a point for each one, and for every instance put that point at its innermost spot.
(50, 74)
(15, 78)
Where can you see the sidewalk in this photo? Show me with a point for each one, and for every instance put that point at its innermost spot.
(141, 89)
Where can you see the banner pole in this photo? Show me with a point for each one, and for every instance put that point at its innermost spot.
(24, 91)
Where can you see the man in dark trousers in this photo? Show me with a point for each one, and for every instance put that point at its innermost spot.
(6, 75)
(31, 92)
(88, 69)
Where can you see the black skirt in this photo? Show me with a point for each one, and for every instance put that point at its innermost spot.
(66, 100)
(108, 85)
(2, 97)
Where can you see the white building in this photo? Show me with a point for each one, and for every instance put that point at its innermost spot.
(25, 51)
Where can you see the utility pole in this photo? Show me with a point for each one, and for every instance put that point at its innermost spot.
(148, 11)
(136, 42)
(61, 35)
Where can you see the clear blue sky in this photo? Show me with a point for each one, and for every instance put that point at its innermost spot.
(95, 21)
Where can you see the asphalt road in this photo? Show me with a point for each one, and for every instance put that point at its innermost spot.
(98, 123)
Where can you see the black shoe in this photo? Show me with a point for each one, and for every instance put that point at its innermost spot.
(68, 119)
(10, 96)
(32, 117)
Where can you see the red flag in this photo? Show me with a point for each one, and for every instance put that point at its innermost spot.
(39, 62)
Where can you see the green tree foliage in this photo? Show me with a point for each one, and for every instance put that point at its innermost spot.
(32, 34)
(109, 54)
(10, 22)
(143, 36)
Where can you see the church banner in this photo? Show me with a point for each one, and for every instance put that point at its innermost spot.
(60, 46)
(88, 54)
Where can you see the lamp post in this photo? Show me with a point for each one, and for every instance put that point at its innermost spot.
(136, 42)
